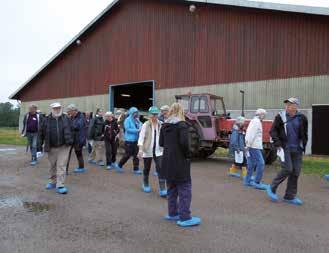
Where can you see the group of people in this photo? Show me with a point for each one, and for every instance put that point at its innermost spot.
(163, 139)
(289, 133)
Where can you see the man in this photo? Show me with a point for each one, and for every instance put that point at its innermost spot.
(96, 134)
(79, 137)
(254, 147)
(289, 134)
(31, 127)
(164, 112)
(132, 127)
(111, 132)
(57, 136)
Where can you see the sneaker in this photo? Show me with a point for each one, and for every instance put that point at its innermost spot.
(33, 162)
(79, 170)
(146, 188)
(138, 172)
(326, 177)
(51, 186)
(61, 190)
(171, 218)
(194, 221)
(295, 201)
(273, 197)
(259, 186)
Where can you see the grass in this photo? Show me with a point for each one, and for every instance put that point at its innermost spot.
(11, 136)
(312, 165)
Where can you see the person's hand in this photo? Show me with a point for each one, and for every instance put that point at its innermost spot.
(140, 154)
(279, 149)
(238, 151)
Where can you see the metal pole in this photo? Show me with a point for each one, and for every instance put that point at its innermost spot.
(242, 111)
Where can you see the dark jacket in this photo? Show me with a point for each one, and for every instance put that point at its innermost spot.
(278, 132)
(111, 130)
(25, 119)
(56, 132)
(78, 129)
(96, 129)
(176, 162)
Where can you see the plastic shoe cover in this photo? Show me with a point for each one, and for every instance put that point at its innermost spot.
(138, 172)
(234, 174)
(33, 163)
(271, 194)
(92, 162)
(146, 188)
(155, 173)
(163, 193)
(61, 190)
(171, 218)
(246, 183)
(109, 167)
(194, 221)
(79, 170)
(326, 177)
(296, 201)
(259, 186)
(119, 169)
(101, 163)
(50, 186)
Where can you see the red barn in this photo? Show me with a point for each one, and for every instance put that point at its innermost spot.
(139, 52)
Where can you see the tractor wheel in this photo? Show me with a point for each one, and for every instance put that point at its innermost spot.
(269, 155)
(205, 153)
(194, 141)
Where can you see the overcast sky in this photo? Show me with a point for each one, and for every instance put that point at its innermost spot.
(32, 31)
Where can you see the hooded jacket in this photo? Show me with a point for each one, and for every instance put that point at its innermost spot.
(176, 162)
(78, 129)
(96, 129)
(236, 139)
(132, 126)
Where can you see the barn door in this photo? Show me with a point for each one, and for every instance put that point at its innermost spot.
(320, 132)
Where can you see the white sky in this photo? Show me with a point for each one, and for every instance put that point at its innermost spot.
(33, 31)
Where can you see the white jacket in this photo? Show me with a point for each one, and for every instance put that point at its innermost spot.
(141, 139)
(254, 134)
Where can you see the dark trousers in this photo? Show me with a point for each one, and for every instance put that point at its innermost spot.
(147, 168)
(290, 169)
(111, 151)
(179, 199)
(78, 153)
(131, 150)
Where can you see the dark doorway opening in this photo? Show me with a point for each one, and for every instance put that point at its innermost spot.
(320, 133)
(140, 95)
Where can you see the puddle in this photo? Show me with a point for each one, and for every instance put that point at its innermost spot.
(35, 207)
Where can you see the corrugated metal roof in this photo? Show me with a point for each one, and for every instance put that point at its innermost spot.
(239, 3)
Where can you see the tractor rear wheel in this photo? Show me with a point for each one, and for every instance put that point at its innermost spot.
(205, 153)
(194, 141)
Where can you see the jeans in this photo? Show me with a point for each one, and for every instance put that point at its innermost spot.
(131, 149)
(32, 139)
(255, 161)
(290, 169)
(179, 199)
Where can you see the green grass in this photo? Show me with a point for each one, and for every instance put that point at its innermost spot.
(11, 136)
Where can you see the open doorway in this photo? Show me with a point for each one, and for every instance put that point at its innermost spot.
(140, 95)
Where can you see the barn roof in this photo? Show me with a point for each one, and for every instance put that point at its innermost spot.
(239, 3)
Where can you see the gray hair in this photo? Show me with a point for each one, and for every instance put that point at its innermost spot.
(72, 107)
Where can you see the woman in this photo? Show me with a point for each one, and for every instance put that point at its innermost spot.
(149, 149)
(110, 136)
(96, 134)
(236, 147)
(176, 164)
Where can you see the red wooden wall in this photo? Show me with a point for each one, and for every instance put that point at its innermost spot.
(162, 41)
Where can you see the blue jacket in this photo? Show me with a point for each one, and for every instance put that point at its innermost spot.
(236, 140)
(78, 129)
(132, 126)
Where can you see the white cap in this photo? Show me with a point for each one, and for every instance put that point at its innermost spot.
(107, 114)
(164, 108)
(240, 120)
(260, 111)
(55, 105)
(292, 100)
(72, 107)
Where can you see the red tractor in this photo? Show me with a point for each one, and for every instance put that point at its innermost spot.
(211, 125)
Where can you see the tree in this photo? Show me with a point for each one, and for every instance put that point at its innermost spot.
(9, 115)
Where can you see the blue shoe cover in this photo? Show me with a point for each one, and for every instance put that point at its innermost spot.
(50, 186)
(296, 201)
(163, 193)
(33, 163)
(109, 167)
(61, 190)
(146, 189)
(246, 183)
(326, 177)
(79, 170)
(101, 163)
(194, 221)
(259, 186)
(172, 218)
(271, 194)
(92, 162)
(119, 169)
(138, 172)
(234, 174)
(155, 174)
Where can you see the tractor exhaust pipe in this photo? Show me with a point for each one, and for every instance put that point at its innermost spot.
(242, 109)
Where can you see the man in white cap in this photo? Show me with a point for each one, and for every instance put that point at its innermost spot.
(289, 134)
(164, 112)
(254, 147)
(57, 136)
